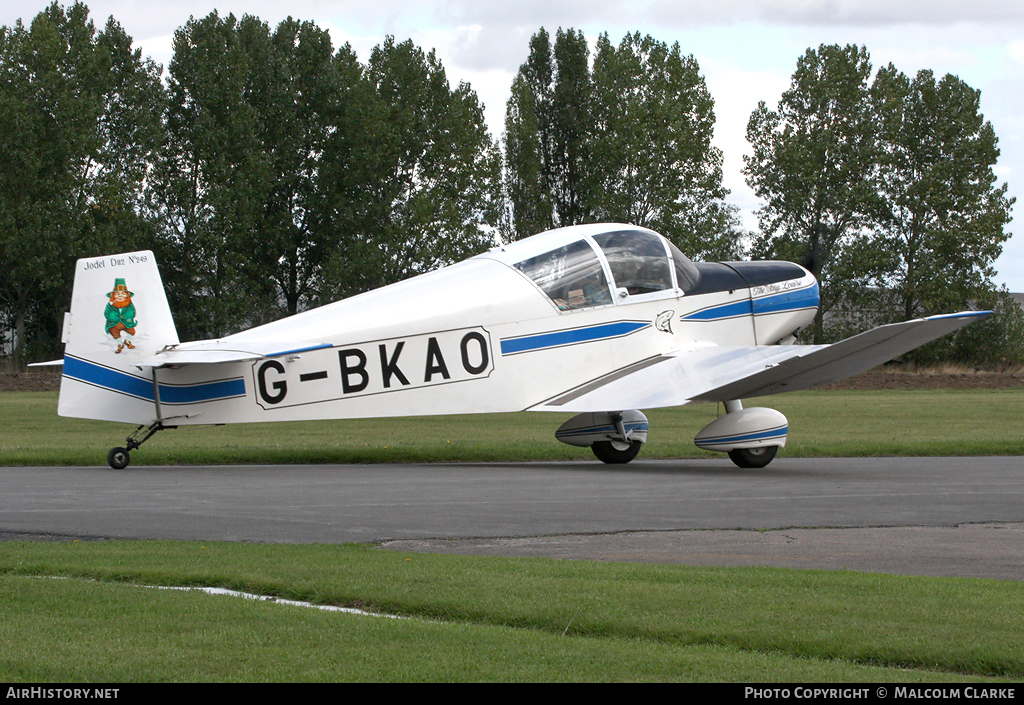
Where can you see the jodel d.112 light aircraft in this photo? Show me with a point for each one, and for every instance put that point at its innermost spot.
(596, 320)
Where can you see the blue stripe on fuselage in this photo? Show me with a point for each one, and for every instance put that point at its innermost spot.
(806, 297)
(794, 300)
(558, 338)
(123, 383)
(717, 313)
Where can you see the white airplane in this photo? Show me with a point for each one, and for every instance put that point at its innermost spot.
(597, 320)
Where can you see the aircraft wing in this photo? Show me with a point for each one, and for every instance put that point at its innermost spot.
(208, 352)
(706, 372)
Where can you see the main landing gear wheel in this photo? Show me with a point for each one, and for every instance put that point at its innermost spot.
(615, 452)
(753, 457)
(118, 458)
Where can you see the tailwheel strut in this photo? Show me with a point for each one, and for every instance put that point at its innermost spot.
(118, 458)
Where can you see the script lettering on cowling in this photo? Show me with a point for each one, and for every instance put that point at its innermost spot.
(776, 287)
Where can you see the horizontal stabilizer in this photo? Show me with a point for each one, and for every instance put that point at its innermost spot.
(209, 352)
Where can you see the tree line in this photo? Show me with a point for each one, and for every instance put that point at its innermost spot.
(272, 172)
(268, 170)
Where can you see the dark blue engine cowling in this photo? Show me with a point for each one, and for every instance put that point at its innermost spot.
(728, 276)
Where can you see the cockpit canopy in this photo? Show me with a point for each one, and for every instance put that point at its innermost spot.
(571, 275)
(632, 262)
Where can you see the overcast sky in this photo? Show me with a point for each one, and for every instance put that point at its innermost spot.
(747, 51)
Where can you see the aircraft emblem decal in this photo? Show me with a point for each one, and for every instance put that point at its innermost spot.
(664, 321)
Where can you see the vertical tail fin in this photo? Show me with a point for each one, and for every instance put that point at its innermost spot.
(119, 316)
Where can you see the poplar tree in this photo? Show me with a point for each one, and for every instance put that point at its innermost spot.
(79, 123)
(812, 163)
(528, 208)
(302, 92)
(655, 166)
(425, 191)
(548, 141)
(252, 168)
(213, 179)
(571, 165)
(628, 139)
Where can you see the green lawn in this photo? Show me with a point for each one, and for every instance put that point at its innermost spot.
(834, 423)
(483, 619)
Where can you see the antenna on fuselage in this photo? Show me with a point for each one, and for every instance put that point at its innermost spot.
(498, 242)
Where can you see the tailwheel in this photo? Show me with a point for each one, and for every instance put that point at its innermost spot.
(118, 458)
(753, 457)
(615, 452)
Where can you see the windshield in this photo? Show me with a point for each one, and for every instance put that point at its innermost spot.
(638, 261)
(687, 274)
(571, 275)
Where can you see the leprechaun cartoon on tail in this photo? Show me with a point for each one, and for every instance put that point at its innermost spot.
(120, 315)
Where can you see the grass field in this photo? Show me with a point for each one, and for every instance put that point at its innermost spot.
(484, 619)
(496, 619)
(834, 423)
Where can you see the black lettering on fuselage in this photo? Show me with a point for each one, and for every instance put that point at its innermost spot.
(389, 366)
(435, 361)
(358, 370)
(464, 346)
(280, 387)
(373, 367)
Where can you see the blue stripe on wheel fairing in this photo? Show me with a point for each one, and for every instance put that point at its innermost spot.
(123, 383)
(607, 428)
(739, 438)
(558, 338)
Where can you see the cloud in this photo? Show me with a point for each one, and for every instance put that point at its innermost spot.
(1016, 51)
(691, 13)
(857, 12)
